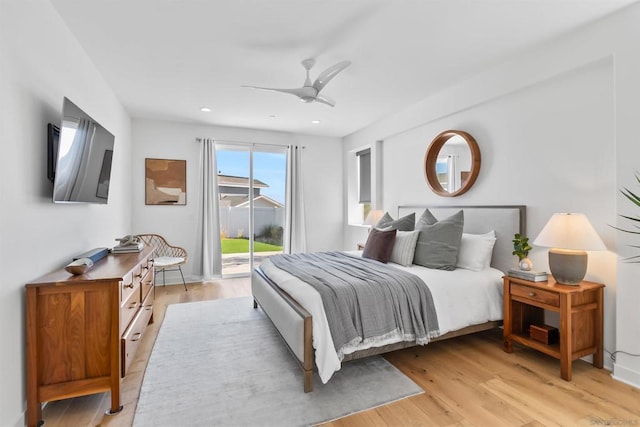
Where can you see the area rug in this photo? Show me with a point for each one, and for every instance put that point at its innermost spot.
(222, 363)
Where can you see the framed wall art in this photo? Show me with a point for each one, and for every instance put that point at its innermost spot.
(165, 182)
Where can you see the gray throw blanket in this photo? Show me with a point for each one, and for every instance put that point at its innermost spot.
(365, 299)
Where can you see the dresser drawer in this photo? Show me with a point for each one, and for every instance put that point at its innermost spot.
(535, 294)
(127, 287)
(149, 299)
(147, 281)
(129, 309)
(133, 335)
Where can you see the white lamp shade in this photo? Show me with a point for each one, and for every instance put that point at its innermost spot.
(373, 217)
(570, 231)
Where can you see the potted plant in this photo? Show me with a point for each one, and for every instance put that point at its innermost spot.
(635, 199)
(521, 248)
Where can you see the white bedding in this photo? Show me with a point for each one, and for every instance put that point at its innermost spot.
(461, 297)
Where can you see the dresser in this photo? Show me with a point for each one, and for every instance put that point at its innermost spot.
(581, 319)
(83, 331)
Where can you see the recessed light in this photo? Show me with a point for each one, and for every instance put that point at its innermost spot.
(315, 122)
(205, 109)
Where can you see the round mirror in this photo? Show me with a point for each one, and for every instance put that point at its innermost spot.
(452, 163)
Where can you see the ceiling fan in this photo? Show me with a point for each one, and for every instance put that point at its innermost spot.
(311, 92)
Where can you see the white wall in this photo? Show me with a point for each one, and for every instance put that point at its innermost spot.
(555, 128)
(170, 140)
(40, 62)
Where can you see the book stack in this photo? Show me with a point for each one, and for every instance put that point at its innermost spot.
(532, 276)
(127, 247)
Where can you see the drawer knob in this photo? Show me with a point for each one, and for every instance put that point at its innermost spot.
(130, 285)
(532, 294)
(135, 337)
(133, 305)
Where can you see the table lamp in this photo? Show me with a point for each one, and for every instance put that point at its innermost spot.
(373, 217)
(569, 235)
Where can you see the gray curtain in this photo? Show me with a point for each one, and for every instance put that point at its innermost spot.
(208, 257)
(295, 238)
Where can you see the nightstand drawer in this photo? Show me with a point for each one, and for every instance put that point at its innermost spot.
(534, 294)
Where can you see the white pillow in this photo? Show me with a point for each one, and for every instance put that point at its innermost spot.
(404, 247)
(476, 250)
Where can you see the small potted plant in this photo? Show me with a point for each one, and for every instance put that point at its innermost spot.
(521, 248)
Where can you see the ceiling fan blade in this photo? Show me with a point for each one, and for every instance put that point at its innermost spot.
(326, 100)
(297, 92)
(328, 74)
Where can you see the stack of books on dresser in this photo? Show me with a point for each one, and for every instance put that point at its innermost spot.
(532, 276)
(126, 248)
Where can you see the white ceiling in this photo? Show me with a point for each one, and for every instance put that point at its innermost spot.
(167, 58)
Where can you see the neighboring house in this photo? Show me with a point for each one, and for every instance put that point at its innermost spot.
(234, 192)
(234, 199)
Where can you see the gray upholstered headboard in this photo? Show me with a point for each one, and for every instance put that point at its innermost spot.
(505, 220)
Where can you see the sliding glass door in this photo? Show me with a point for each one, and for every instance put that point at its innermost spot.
(252, 186)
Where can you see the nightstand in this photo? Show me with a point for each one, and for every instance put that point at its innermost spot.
(581, 320)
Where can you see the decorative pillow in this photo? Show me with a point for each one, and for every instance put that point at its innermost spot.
(426, 218)
(438, 243)
(476, 251)
(406, 223)
(379, 245)
(404, 247)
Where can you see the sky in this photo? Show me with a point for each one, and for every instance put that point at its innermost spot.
(270, 168)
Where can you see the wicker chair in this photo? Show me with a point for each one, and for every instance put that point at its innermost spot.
(167, 257)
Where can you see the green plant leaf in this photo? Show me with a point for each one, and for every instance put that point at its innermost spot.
(631, 196)
(626, 231)
(637, 219)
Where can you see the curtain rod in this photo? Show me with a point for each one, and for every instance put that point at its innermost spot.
(232, 141)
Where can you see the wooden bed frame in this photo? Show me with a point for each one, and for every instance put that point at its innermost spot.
(294, 323)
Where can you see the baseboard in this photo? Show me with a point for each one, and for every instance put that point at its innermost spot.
(626, 375)
(21, 421)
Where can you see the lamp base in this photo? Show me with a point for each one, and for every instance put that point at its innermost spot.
(568, 267)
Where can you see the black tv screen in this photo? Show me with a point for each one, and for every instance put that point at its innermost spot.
(82, 164)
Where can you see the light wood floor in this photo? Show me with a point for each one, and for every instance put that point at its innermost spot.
(467, 381)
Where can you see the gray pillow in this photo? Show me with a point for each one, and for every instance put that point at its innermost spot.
(439, 242)
(406, 223)
(426, 218)
(379, 245)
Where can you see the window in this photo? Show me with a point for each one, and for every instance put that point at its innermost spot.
(364, 184)
(252, 186)
(364, 176)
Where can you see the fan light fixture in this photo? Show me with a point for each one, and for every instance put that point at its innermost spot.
(311, 92)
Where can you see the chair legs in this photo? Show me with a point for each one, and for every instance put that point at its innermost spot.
(183, 282)
(181, 275)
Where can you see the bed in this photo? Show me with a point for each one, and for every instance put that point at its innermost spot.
(296, 310)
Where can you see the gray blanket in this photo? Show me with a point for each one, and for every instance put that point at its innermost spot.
(364, 298)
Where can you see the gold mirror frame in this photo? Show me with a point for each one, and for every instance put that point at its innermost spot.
(431, 158)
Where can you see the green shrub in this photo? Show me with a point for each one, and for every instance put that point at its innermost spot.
(271, 234)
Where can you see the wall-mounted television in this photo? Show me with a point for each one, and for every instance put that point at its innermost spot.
(80, 160)
(53, 136)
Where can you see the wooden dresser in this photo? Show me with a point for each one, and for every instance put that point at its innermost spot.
(83, 331)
